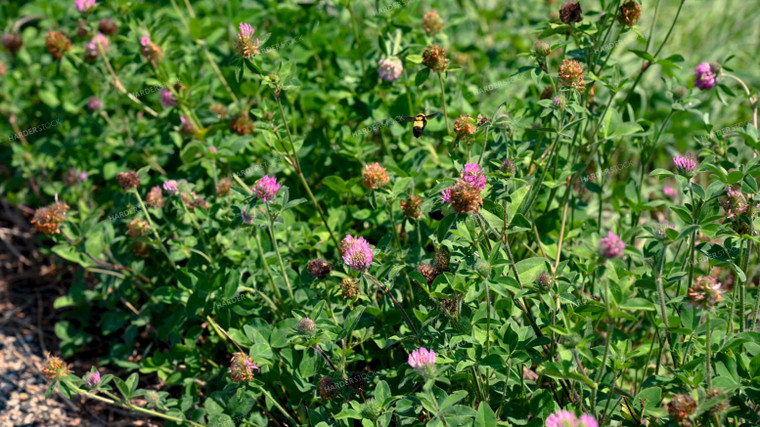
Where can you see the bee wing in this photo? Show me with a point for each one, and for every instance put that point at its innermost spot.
(432, 116)
(406, 118)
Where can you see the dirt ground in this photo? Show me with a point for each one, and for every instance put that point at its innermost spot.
(29, 284)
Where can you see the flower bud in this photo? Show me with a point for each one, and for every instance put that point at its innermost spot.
(508, 167)
(306, 326)
(371, 409)
(680, 93)
(483, 268)
(544, 281)
(560, 102)
(542, 48)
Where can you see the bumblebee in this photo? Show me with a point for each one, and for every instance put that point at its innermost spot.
(420, 121)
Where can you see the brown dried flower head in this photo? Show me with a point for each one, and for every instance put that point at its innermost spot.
(319, 268)
(356, 381)
(571, 74)
(434, 57)
(192, 200)
(12, 42)
(464, 126)
(465, 197)
(375, 176)
(220, 110)
(49, 219)
(241, 368)
(450, 305)
(55, 369)
(57, 44)
(428, 272)
(508, 167)
(3, 69)
(432, 22)
(141, 248)
(706, 292)
(442, 259)
(350, 290)
(137, 228)
(681, 406)
(629, 13)
(720, 407)
(411, 207)
(155, 198)
(547, 93)
(223, 187)
(107, 27)
(242, 124)
(571, 13)
(82, 28)
(327, 388)
(128, 180)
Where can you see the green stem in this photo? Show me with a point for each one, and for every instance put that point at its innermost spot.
(263, 295)
(258, 243)
(743, 290)
(297, 165)
(389, 203)
(278, 406)
(707, 351)
(663, 308)
(641, 73)
(153, 228)
(443, 99)
(756, 309)
(126, 404)
(277, 251)
(488, 315)
(395, 301)
(437, 408)
(408, 94)
(607, 343)
(356, 35)
(752, 99)
(692, 244)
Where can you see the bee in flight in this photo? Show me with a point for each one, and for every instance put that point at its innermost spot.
(420, 121)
